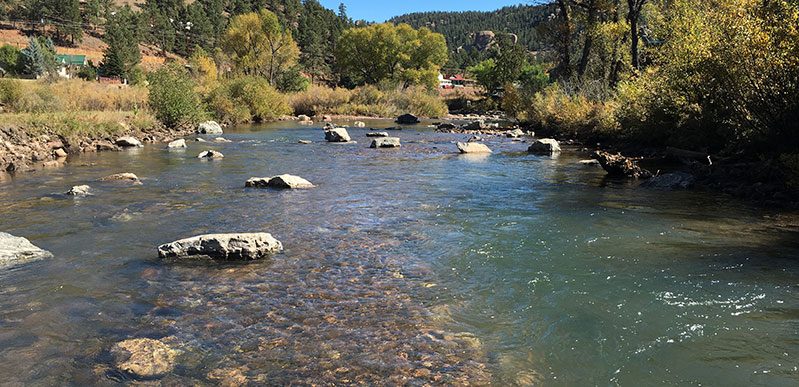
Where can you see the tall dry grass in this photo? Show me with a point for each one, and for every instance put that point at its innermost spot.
(22, 96)
(367, 101)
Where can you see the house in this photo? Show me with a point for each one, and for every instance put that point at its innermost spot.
(69, 64)
(457, 80)
(443, 82)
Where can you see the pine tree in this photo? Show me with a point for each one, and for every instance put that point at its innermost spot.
(32, 59)
(122, 37)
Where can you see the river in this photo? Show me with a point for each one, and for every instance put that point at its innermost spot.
(403, 266)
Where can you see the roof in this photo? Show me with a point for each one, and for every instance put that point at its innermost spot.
(71, 60)
(456, 77)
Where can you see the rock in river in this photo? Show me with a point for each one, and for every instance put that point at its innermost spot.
(377, 134)
(386, 142)
(359, 124)
(280, 181)
(209, 127)
(127, 176)
(177, 144)
(128, 141)
(18, 249)
(78, 190)
(544, 146)
(407, 119)
(210, 154)
(618, 165)
(144, 358)
(242, 246)
(473, 147)
(337, 135)
(670, 181)
(515, 133)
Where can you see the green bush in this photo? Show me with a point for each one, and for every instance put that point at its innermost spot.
(172, 97)
(246, 99)
(10, 92)
(10, 58)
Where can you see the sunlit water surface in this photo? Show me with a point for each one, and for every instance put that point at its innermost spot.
(403, 266)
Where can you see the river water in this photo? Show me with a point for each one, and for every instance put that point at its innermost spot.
(403, 266)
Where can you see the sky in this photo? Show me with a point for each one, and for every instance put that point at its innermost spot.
(382, 10)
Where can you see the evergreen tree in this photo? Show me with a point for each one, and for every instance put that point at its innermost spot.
(122, 54)
(32, 59)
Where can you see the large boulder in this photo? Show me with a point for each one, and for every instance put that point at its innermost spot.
(670, 181)
(144, 358)
(386, 142)
(242, 246)
(210, 154)
(473, 147)
(177, 144)
(127, 176)
(544, 146)
(209, 127)
(620, 166)
(78, 190)
(407, 119)
(377, 134)
(280, 181)
(337, 135)
(15, 249)
(303, 117)
(128, 141)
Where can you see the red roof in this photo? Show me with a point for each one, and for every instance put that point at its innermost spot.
(456, 77)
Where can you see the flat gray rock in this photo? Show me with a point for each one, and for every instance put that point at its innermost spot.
(78, 190)
(128, 141)
(337, 135)
(238, 246)
(177, 144)
(15, 250)
(544, 146)
(386, 142)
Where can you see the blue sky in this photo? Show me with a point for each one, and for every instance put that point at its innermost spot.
(381, 10)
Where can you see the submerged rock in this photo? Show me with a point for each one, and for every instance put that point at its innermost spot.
(337, 135)
(177, 144)
(472, 147)
(78, 190)
(127, 176)
(544, 146)
(620, 166)
(15, 249)
(386, 142)
(242, 246)
(280, 181)
(128, 141)
(144, 358)
(377, 134)
(670, 181)
(304, 142)
(407, 119)
(221, 139)
(446, 126)
(210, 154)
(209, 127)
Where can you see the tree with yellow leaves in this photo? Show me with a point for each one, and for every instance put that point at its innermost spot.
(259, 45)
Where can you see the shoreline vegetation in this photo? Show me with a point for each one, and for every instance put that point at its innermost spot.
(650, 79)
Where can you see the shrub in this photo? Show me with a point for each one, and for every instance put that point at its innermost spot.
(368, 101)
(247, 98)
(10, 92)
(173, 98)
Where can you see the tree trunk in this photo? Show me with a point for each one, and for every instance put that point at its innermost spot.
(564, 39)
(634, 40)
(589, 40)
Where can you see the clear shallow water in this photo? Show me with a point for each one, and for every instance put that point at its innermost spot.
(404, 266)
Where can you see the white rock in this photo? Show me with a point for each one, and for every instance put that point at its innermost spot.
(79, 190)
(18, 249)
(386, 142)
(280, 181)
(544, 146)
(128, 141)
(359, 124)
(473, 147)
(209, 127)
(210, 154)
(177, 144)
(337, 135)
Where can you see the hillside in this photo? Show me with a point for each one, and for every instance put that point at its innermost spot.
(458, 27)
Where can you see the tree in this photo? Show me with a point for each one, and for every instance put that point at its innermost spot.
(69, 11)
(122, 54)
(342, 12)
(398, 53)
(33, 59)
(173, 98)
(633, 14)
(10, 58)
(259, 45)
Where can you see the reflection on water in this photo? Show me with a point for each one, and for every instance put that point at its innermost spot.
(403, 266)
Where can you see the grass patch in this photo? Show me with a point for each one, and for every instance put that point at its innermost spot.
(90, 124)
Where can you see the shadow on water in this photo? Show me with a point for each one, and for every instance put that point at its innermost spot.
(403, 266)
